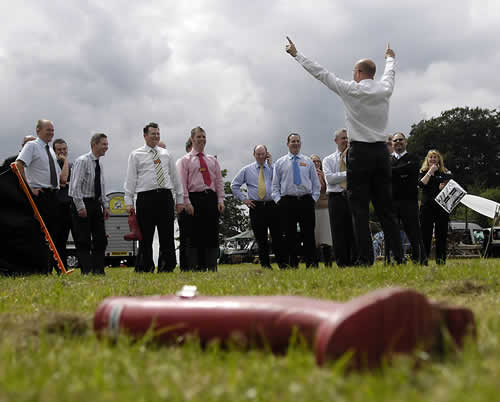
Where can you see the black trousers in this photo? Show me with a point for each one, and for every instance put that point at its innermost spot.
(203, 249)
(183, 219)
(299, 210)
(48, 206)
(407, 213)
(264, 217)
(90, 237)
(344, 243)
(155, 209)
(369, 178)
(433, 217)
(65, 224)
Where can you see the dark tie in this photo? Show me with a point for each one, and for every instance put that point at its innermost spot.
(204, 170)
(97, 180)
(52, 167)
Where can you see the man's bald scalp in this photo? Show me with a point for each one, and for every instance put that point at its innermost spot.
(367, 66)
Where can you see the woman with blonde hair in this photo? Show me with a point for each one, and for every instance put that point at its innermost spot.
(322, 232)
(432, 179)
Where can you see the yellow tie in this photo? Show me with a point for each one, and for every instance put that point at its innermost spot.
(343, 169)
(262, 185)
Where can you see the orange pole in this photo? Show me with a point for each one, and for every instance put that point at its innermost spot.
(40, 220)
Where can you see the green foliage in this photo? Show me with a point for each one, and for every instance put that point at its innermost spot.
(468, 138)
(234, 220)
(49, 352)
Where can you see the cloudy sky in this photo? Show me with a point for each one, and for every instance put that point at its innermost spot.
(113, 66)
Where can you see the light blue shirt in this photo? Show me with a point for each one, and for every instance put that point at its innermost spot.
(249, 175)
(283, 178)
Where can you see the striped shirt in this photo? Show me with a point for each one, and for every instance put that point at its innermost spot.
(81, 184)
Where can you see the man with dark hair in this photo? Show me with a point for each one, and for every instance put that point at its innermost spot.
(405, 169)
(37, 165)
(366, 104)
(63, 199)
(90, 206)
(264, 216)
(6, 163)
(339, 210)
(151, 174)
(296, 188)
(204, 200)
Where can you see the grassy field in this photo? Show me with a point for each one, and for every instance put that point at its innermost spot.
(48, 351)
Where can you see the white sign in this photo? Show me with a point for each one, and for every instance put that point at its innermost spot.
(450, 196)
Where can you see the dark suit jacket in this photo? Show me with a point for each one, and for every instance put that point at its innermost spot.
(405, 177)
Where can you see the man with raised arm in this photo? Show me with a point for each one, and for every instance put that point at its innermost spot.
(366, 104)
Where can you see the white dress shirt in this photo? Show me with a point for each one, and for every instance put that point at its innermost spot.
(366, 103)
(81, 184)
(141, 175)
(333, 175)
(34, 155)
(283, 178)
(397, 156)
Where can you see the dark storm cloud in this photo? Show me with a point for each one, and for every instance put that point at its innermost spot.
(112, 67)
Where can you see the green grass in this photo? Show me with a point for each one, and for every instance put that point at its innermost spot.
(48, 351)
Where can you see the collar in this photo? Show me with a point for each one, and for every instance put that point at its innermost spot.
(40, 142)
(92, 156)
(399, 156)
(195, 153)
(290, 155)
(264, 166)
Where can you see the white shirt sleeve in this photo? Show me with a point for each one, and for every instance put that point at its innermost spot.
(332, 172)
(176, 182)
(337, 85)
(130, 180)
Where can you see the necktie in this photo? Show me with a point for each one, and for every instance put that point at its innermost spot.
(343, 169)
(52, 167)
(97, 180)
(160, 176)
(204, 170)
(297, 180)
(262, 184)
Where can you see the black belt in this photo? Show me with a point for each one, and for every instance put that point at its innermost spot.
(207, 191)
(297, 197)
(48, 189)
(156, 190)
(338, 193)
(263, 203)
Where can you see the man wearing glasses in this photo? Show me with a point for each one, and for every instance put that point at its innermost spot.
(405, 169)
(366, 103)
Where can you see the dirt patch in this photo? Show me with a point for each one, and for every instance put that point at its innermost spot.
(467, 287)
(67, 324)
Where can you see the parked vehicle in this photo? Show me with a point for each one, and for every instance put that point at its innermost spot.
(119, 252)
(493, 248)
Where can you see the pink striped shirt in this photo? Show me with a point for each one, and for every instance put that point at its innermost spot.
(192, 179)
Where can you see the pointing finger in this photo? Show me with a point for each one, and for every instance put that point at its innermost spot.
(388, 46)
(289, 40)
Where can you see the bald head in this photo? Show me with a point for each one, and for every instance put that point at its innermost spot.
(364, 69)
(260, 154)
